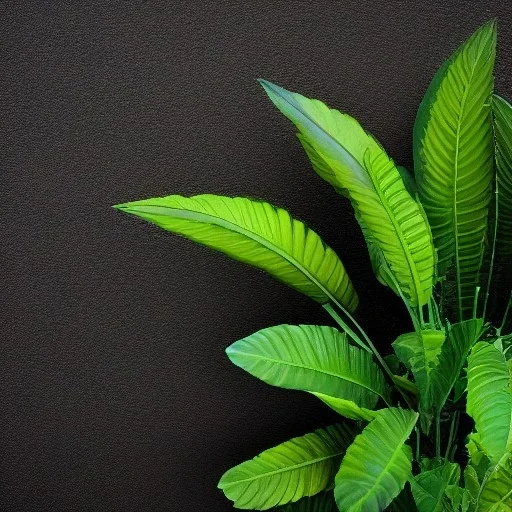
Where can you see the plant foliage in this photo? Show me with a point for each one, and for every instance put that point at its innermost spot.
(441, 240)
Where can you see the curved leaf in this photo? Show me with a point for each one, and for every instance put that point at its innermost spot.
(489, 400)
(256, 233)
(300, 467)
(502, 111)
(321, 502)
(351, 160)
(315, 359)
(496, 492)
(377, 464)
(453, 153)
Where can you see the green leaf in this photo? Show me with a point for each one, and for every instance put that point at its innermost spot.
(496, 492)
(489, 400)
(461, 337)
(377, 464)
(256, 233)
(316, 359)
(453, 158)
(420, 352)
(433, 490)
(351, 160)
(300, 467)
(321, 502)
(502, 111)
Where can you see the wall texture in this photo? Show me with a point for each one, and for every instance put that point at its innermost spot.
(115, 392)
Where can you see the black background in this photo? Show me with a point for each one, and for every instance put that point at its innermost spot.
(115, 390)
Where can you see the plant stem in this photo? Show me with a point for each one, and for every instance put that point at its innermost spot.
(502, 326)
(345, 327)
(475, 303)
(376, 353)
(418, 451)
(438, 435)
(491, 266)
(453, 427)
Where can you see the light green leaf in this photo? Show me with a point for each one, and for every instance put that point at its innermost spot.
(420, 353)
(433, 490)
(356, 165)
(496, 492)
(489, 400)
(502, 111)
(300, 467)
(453, 153)
(256, 233)
(377, 464)
(321, 502)
(316, 359)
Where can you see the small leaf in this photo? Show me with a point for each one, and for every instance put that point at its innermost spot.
(489, 400)
(315, 359)
(256, 233)
(496, 492)
(377, 464)
(300, 467)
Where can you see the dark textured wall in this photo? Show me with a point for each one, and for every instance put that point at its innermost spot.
(115, 390)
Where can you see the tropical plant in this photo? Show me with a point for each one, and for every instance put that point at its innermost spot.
(429, 427)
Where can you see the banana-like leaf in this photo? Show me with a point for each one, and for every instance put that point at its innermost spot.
(496, 492)
(316, 359)
(356, 165)
(256, 233)
(321, 502)
(420, 353)
(377, 464)
(489, 400)
(433, 490)
(453, 158)
(461, 337)
(303, 466)
(502, 111)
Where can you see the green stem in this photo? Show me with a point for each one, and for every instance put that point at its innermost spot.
(418, 450)
(491, 266)
(438, 435)
(345, 327)
(475, 303)
(502, 326)
(453, 427)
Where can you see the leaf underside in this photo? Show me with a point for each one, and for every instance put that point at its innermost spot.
(453, 159)
(256, 233)
(303, 466)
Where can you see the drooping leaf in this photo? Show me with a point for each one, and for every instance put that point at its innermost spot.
(496, 492)
(433, 490)
(377, 464)
(256, 233)
(303, 466)
(489, 400)
(316, 359)
(420, 352)
(453, 153)
(351, 160)
(502, 111)
(321, 502)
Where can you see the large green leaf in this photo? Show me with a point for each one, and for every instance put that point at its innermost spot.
(496, 492)
(377, 464)
(256, 233)
(321, 502)
(489, 400)
(351, 160)
(433, 490)
(453, 158)
(420, 353)
(300, 467)
(502, 111)
(316, 359)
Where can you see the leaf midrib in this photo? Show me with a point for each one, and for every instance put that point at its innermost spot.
(317, 370)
